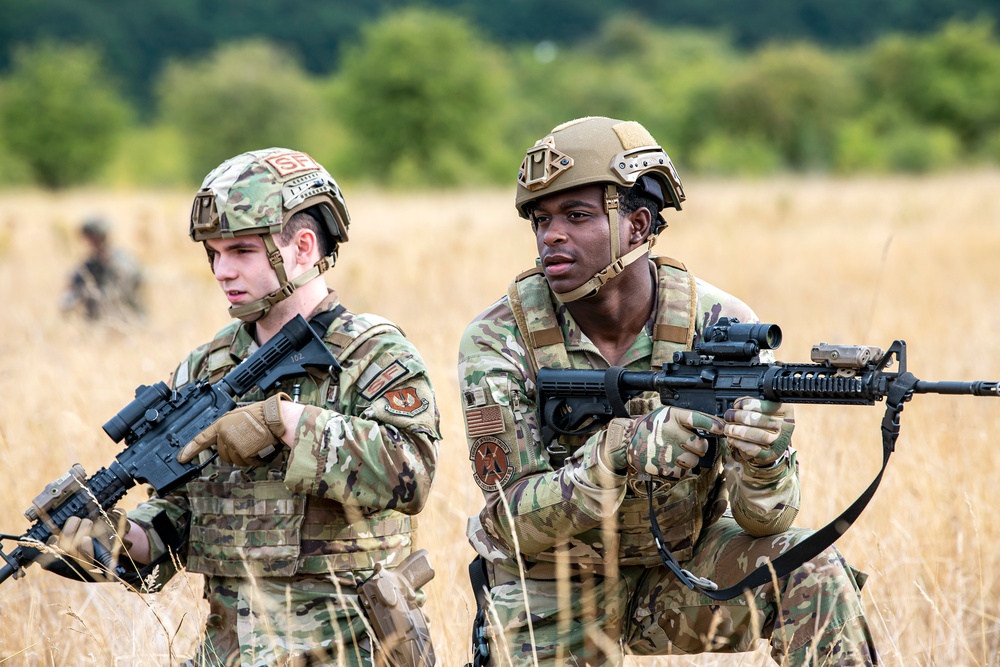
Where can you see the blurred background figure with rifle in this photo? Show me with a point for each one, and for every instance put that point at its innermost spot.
(109, 282)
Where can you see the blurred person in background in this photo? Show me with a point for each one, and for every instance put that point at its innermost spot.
(108, 284)
(315, 482)
(569, 571)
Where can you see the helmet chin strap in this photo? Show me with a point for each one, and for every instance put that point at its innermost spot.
(256, 310)
(618, 263)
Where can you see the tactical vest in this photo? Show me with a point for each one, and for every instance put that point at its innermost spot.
(684, 508)
(247, 522)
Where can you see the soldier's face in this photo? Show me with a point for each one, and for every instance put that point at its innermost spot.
(572, 236)
(242, 269)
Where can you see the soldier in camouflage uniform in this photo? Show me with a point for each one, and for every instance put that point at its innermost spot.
(573, 573)
(109, 281)
(316, 482)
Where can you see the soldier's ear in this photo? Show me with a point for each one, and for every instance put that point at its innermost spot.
(306, 244)
(640, 222)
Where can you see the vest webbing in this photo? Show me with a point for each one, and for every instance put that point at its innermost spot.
(259, 527)
(674, 328)
(530, 302)
(536, 320)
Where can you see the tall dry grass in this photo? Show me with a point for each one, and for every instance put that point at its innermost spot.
(849, 261)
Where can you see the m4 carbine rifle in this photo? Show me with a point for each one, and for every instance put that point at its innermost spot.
(155, 426)
(725, 366)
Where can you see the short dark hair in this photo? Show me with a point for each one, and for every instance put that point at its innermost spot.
(632, 199)
(646, 193)
(308, 219)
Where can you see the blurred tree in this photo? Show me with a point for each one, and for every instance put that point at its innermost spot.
(421, 95)
(725, 155)
(795, 98)
(630, 70)
(951, 79)
(61, 114)
(138, 38)
(246, 96)
(887, 138)
(841, 23)
(670, 72)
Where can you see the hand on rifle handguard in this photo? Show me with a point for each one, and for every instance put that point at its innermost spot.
(759, 432)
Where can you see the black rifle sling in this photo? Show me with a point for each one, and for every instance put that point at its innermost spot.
(613, 391)
(481, 588)
(900, 392)
(322, 321)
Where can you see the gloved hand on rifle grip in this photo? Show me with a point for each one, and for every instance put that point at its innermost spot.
(90, 546)
(241, 435)
(759, 432)
(668, 442)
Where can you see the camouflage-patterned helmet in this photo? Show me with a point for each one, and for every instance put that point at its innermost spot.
(600, 151)
(596, 150)
(257, 193)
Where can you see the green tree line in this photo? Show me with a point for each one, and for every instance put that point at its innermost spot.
(423, 97)
(138, 38)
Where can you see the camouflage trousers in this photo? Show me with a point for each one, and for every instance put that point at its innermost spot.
(282, 621)
(814, 617)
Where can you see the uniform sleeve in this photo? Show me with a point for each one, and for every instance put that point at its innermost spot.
(763, 501)
(379, 448)
(525, 497)
(176, 509)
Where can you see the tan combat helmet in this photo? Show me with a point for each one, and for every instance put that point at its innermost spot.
(597, 150)
(257, 193)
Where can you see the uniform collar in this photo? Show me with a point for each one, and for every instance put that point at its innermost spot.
(244, 343)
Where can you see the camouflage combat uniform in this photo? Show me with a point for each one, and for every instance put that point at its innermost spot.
(594, 586)
(107, 284)
(283, 545)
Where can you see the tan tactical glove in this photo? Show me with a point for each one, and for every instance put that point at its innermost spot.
(759, 432)
(240, 436)
(90, 546)
(666, 444)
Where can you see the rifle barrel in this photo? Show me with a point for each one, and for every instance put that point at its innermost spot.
(976, 388)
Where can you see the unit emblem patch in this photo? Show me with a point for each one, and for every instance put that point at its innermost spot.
(404, 402)
(491, 465)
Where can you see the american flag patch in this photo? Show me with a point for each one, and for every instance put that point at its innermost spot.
(484, 421)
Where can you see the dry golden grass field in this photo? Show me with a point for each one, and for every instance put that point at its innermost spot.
(845, 261)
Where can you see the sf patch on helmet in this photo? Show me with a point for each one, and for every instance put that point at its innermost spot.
(491, 464)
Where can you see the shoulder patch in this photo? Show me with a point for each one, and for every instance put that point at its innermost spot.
(491, 464)
(391, 373)
(487, 420)
(475, 397)
(405, 402)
